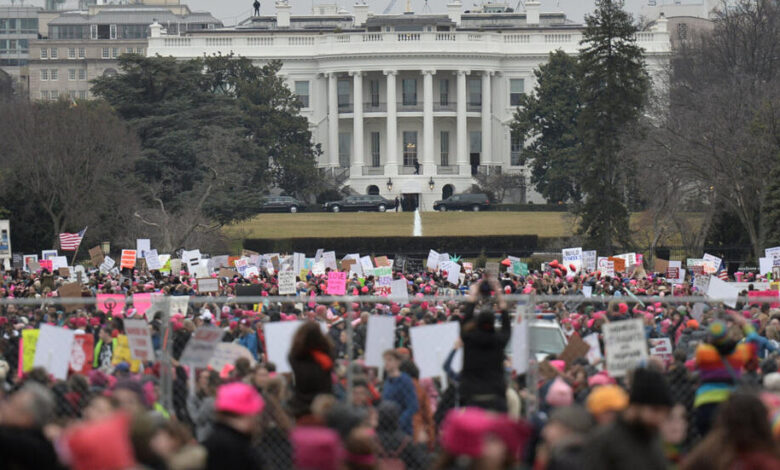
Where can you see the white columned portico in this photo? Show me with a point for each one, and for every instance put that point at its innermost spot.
(427, 160)
(333, 121)
(462, 130)
(487, 116)
(357, 123)
(391, 168)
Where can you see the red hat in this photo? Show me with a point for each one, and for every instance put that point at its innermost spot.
(464, 430)
(239, 398)
(573, 267)
(94, 321)
(512, 433)
(316, 448)
(692, 324)
(554, 263)
(364, 290)
(623, 308)
(115, 450)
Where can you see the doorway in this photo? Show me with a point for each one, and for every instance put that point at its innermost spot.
(447, 191)
(474, 158)
(410, 201)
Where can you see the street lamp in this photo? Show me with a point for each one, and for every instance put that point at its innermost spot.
(389, 184)
(431, 184)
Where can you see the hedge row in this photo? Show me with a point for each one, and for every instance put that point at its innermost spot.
(517, 245)
(530, 207)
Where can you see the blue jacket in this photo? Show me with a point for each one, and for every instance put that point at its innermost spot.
(249, 341)
(401, 391)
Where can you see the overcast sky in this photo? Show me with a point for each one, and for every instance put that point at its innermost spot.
(233, 11)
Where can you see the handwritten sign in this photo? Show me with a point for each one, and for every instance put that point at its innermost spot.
(625, 346)
(201, 346)
(337, 283)
(139, 340)
(128, 259)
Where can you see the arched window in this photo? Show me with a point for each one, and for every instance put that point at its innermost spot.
(447, 191)
(372, 190)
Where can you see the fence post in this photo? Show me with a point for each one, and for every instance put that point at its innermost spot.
(166, 372)
(527, 311)
(350, 348)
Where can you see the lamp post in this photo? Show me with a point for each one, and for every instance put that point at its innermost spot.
(431, 183)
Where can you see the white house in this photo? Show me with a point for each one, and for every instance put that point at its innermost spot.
(382, 92)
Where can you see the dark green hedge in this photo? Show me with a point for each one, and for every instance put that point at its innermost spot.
(517, 245)
(529, 207)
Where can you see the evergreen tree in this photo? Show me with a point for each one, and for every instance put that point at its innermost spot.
(771, 210)
(548, 118)
(613, 89)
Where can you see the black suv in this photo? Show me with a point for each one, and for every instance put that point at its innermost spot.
(359, 203)
(281, 204)
(471, 202)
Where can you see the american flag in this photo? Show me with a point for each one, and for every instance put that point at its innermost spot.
(723, 273)
(71, 241)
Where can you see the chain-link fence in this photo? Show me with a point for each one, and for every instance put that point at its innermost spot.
(574, 338)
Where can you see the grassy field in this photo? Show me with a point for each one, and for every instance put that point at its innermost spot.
(371, 224)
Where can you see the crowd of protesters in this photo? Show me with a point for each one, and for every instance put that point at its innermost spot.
(714, 404)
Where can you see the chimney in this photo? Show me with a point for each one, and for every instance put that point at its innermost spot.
(156, 29)
(361, 14)
(532, 12)
(453, 11)
(283, 14)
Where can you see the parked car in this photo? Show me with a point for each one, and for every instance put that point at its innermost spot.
(282, 204)
(546, 337)
(469, 202)
(359, 203)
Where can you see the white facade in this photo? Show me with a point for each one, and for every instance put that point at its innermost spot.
(440, 86)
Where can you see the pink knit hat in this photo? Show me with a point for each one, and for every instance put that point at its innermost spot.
(239, 398)
(316, 448)
(463, 431)
(559, 394)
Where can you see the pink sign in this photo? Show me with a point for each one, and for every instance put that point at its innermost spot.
(110, 303)
(337, 283)
(46, 264)
(763, 293)
(142, 302)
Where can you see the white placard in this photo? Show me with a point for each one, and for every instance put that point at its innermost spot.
(399, 291)
(702, 283)
(208, 284)
(179, 304)
(587, 291)
(594, 353)
(139, 340)
(53, 350)
(433, 260)
(227, 353)
(278, 338)
(519, 344)
(713, 261)
(379, 338)
(765, 265)
(432, 344)
(772, 253)
(152, 260)
(625, 346)
(453, 271)
(724, 291)
(107, 264)
(251, 271)
(572, 256)
(59, 262)
(329, 258)
(287, 283)
(48, 254)
(318, 268)
(142, 245)
(201, 346)
(589, 260)
(367, 266)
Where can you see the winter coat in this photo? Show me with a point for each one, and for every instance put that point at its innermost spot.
(228, 448)
(620, 446)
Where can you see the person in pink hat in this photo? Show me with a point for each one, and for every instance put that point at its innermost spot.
(229, 445)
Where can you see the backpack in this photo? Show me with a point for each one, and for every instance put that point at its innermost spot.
(392, 460)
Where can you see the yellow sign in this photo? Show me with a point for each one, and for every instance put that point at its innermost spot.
(29, 343)
(122, 354)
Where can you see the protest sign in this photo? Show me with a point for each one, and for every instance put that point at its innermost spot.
(337, 283)
(712, 263)
(208, 284)
(278, 338)
(587, 290)
(286, 283)
(139, 340)
(382, 261)
(433, 261)
(618, 264)
(763, 294)
(248, 273)
(724, 291)
(121, 353)
(200, 348)
(452, 269)
(127, 259)
(96, 256)
(179, 304)
(227, 354)
(492, 268)
(153, 260)
(661, 348)
(318, 268)
(46, 264)
(575, 349)
(346, 265)
(594, 351)
(142, 246)
(142, 301)
(367, 266)
(625, 346)
(59, 262)
(329, 259)
(253, 290)
(701, 283)
(519, 346)
(175, 264)
(379, 338)
(48, 254)
(28, 259)
(607, 267)
(399, 291)
(28, 345)
(519, 268)
(71, 290)
(110, 304)
(191, 258)
(81, 355)
(227, 272)
(765, 265)
(432, 344)
(65, 272)
(660, 265)
(53, 350)
(589, 260)
(572, 256)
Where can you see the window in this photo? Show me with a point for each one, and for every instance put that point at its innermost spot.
(54, 74)
(71, 53)
(44, 94)
(82, 94)
(44, 53)
(55, 94)
(516, 90)
(82, 74)
(475, 91)
(71, 74)
(409, 89)
(445, 148)
(343, 93)
(106, 53)
(129, 50)
(373, 86)
(104, 31)
(114, 52)
(54, 53)
(475, 142)
(682, 31)
(93, 31)
(82, 52)
(112, 31)
(444, 92)
(72, 94)
(376, 159)
(302, 90)
(410, 148)
(139, 50)
(345, 149)
(516, 148)
(44, 75)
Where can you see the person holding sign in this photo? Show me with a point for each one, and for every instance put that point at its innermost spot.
(311, 360)
(482, 381)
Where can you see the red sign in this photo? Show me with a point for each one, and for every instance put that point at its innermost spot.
(81, 354)
(128, 259)
(673, 273)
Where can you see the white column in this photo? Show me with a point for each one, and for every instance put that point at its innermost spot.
(487, 116)
(333, 121)
(428, 167)
(462, 138)
(357, 123)
(391, 168)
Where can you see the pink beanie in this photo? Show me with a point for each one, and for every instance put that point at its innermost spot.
(316, 448)
(463, 431)
(239, 398)
(559, 394)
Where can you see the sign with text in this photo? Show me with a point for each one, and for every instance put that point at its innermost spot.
(201, 346)
(625, 346)
(139, 340)
(208, 284)
(128, 259)
(337, 283)
(286, 283)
